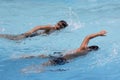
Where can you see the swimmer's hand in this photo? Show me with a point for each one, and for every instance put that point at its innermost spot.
(102, 33)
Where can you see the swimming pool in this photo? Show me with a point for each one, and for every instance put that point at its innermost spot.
(84, 17)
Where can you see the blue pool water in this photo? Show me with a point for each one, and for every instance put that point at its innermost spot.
(84, 17)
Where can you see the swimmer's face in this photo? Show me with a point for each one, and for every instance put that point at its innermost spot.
(61, 24)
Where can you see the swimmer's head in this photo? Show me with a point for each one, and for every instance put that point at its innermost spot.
(93, 48)
(61, 24)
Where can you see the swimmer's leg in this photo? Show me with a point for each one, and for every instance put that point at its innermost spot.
(33, 69)
(49, 63)
(38, 69)
(42, 67)
(27, 56)
(12, 37)
(34, 56)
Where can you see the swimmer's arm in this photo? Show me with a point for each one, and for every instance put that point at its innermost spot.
(38, 28)
(87, 38)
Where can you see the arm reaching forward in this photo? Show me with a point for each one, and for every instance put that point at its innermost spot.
(48, 27)
(84, 44)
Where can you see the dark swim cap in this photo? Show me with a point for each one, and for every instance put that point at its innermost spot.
(94, 47)
(64, 23)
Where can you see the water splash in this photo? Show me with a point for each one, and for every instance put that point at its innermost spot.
(74, 20)
(33, 69)
(110, 58)
(2, 29)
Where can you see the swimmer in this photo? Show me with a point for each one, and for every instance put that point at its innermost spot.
(63, 58)
(38, 30)
(82, 50)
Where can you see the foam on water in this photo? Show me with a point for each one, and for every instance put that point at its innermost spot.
(73, 20)
(2, 29)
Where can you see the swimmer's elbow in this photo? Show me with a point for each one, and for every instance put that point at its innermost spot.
(90, 36)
